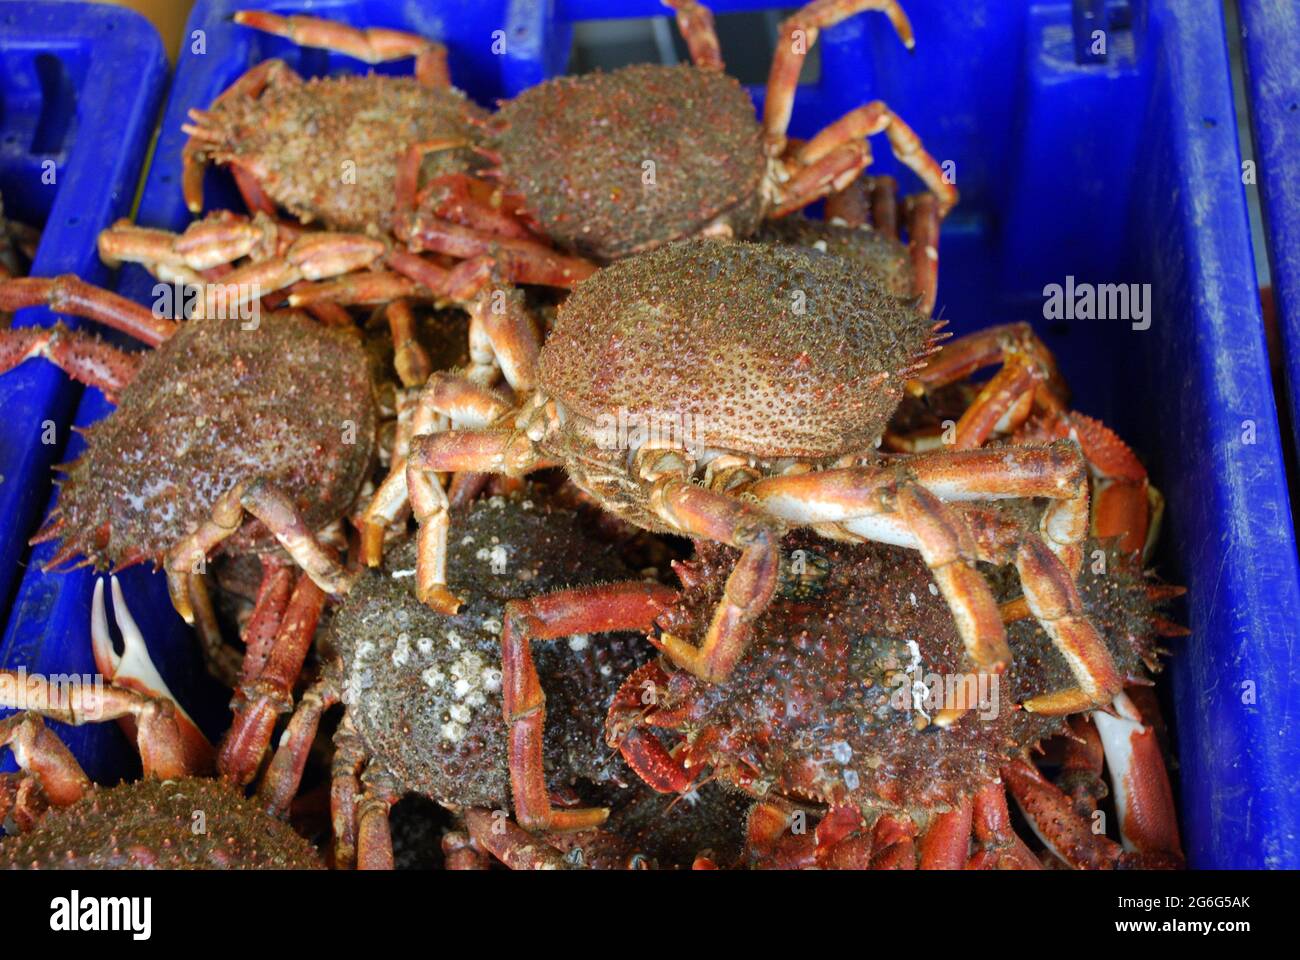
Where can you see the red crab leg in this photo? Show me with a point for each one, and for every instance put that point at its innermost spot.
(923, 248)
(1082, 764)
(457, 197)
(162, 748)
(851, 206)
(795, 37)
(699, 512)
(922, 521)
(827, 174)
(1054, 820)
(461, 852)
(345, 789)
(251, 84)
(642, 750)
(999, 846)
(279, 515)
(477, 451)
(313, 256)
(134, 670)
(945, 844)
(42, 755)
(375, 45)
(284, 773)
(409, 358)
(1144, 800)
(374, 838)
(71, 295)
(884, 206)
(82, 357)
(444, 395)
(258, 704)
(370, 287)
(869, 120)
(522, 261)
(268, 610)
(508, 842)
(1015, 345)
(602, 609)
(695, 23)
(892, 844)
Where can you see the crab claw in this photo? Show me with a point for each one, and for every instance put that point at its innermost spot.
(134, 670)
(1144, 801)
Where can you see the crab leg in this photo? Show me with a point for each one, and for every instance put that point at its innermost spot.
(259, 703)
(865, 501)
(1144, 801)
(477, 451)
(374, 838)
(867, 121)
(444, 396)
(602, 609)
(345, 789)
(284, 774)
(695, 23)
(795, 38)
(279, 515)
(409, 358)
(375, 45)
(643, 751)
(44, 757)
(923, 247)
(521, 260)
(699, 512)
(82, 357)
(217, 240)
(163, 750)
(459, 197)
(71, 295)
(945, 844)
(1052, 816)
(511, 844)
(999, 845)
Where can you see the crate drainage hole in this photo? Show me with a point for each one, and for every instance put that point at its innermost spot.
(58, 105)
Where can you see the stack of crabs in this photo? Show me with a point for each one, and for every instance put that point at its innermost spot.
(567, 519)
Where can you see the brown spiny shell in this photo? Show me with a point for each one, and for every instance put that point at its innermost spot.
(186, 824)
(303, 143)
(880, 257)
(771, 351)
(290, 401)
(813, 710)
(410, 673)
(577, 148)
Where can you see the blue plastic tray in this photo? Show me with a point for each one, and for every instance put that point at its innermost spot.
(1122, 171)
(81, 86)
(1269, 31)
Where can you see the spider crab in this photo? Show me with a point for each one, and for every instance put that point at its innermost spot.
(676, 150)
(422, 692)
(351, 153)
(226, 438)
(778, 369)
(832, 705)
(144, 824)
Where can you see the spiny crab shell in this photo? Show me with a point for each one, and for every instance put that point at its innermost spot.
(823, 708)
(214, 405)
(770, 351)
(880, 257)
(423, 690)
(153, 824)
(610, 164)
(305, 142)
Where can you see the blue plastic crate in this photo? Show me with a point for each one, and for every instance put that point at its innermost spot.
(81, 86)
(1123, 170)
